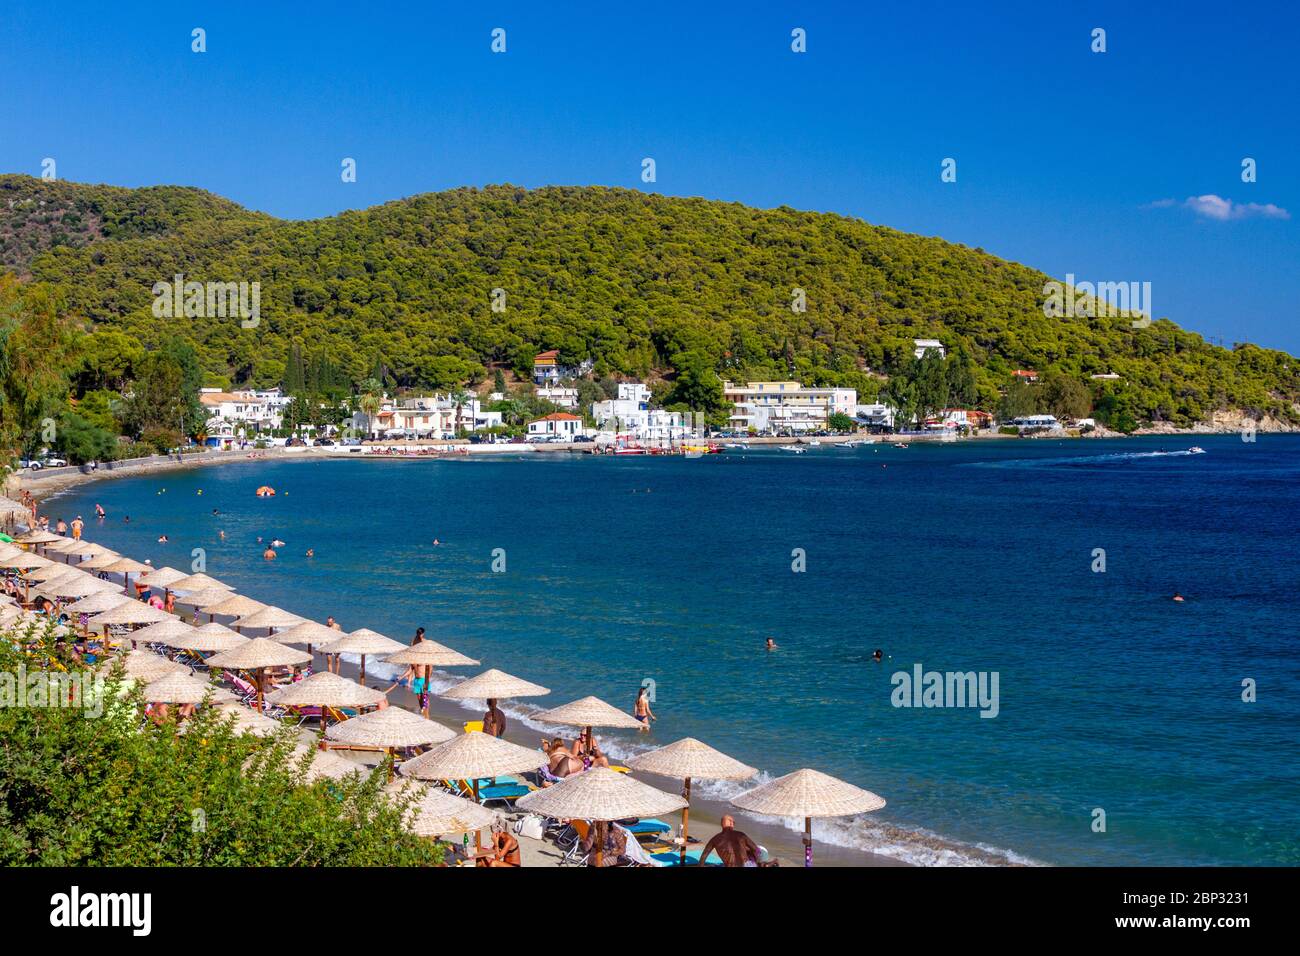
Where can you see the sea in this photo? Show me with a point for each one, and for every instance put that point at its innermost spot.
(1117, 726)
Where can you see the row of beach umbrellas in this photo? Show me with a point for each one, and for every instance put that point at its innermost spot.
(598, 794)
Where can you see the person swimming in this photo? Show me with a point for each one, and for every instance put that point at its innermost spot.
(269, 554)
(878, 656)
(277, 543)
(771, 644)
(1178, 597)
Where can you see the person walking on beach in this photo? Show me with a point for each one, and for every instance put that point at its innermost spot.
(494, 722)
(332, 660)
(641, 709)
(61, 527)
(77, 525)
(733, 847)
(417, 674)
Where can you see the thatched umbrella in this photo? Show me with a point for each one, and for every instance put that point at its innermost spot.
(199, 600)
(600, 795)
(268, 617)
(144, 665)
(199, 582)
(100, 561)
(82, 586)
(364, 642)
(437, 812)
(236, 605)
(163, 577)
(589, 712)
(22, 563)
(131, 613)
(256, 656)
(324, 765)
(208, 638)
(429, 653)
(308, 633)
(97, 603)
(689, 758)
(472, 756)
(248, 721)
(324, 690)
(164, 632)
(38, 537)
(177, 688)
(389, 728)
(808, 794)
(126, 567)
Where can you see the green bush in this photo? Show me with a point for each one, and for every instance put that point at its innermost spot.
(119, 790)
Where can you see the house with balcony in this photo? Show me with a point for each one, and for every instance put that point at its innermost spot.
(776, 407)
(559, 425)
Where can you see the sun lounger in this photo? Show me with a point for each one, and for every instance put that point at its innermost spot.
(673, 857)
(647, 827)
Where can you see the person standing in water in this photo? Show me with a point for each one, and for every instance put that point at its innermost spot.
(417, 674)
(641, 709)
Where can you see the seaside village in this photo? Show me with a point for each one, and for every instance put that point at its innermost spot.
(626, 422)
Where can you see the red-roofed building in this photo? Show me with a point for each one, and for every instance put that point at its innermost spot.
(1025, 375)
(559, 425)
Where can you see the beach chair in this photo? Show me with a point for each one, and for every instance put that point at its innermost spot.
(646, 828)
(489, 792)
(570, 841)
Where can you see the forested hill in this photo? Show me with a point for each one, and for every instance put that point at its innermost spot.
(644, 285)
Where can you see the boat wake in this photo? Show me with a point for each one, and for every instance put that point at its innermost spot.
(1113, 458)
(907, 844)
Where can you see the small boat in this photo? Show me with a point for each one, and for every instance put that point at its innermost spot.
(793, 449)
(849, 444)
(900, 444)
(1196, 450)
(732, 444)
(815, 441)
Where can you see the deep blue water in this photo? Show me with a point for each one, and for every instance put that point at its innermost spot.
(967, 557)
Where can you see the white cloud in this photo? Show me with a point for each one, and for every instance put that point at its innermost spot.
(1219, 209)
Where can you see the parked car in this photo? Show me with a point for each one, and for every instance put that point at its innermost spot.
(351, 441)
(31, 464)
(583, 438)
(51, 461)
(296, 442)
(324, 442)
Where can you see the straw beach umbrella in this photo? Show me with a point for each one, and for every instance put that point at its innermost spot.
(689, 758)
(144, 665)
(256, 656)
(99, 561)
(126, 614)
(437, 812)
(589, 712)
(364, 642)
(36, 538)
(600, 795)
(308, 633)
(199, 582)
(324, 765)
(492, 685)
(471, 756)
(83, 586)
(268, 617)
(390, 728)
(429, 653)
(177, 688)
(126, 567)
(202, 599)
(323, 690)
(808, 794)
(208, 638)
(23, 561)
(248, 721)
(235, 605)
(164, 632)
(163, 577)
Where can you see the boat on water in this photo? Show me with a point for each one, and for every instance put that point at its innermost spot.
(900, 444)
(793, 449)
(732, 444)
(1196, 450)
(849, 444)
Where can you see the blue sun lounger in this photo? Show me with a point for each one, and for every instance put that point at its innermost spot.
(649, 827)
(674, 858)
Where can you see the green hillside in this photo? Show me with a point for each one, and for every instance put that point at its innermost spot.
(679, 290)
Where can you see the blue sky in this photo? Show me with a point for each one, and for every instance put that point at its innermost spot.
(1067, 160)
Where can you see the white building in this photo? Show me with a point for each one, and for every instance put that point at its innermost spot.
(634, 392)
(774, 407)
(242, 413)
(560, 425)
(922, 346)
(876, 415)
(434, 416)
(559, 396)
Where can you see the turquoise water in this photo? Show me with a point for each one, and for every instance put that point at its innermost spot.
(968, 557)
